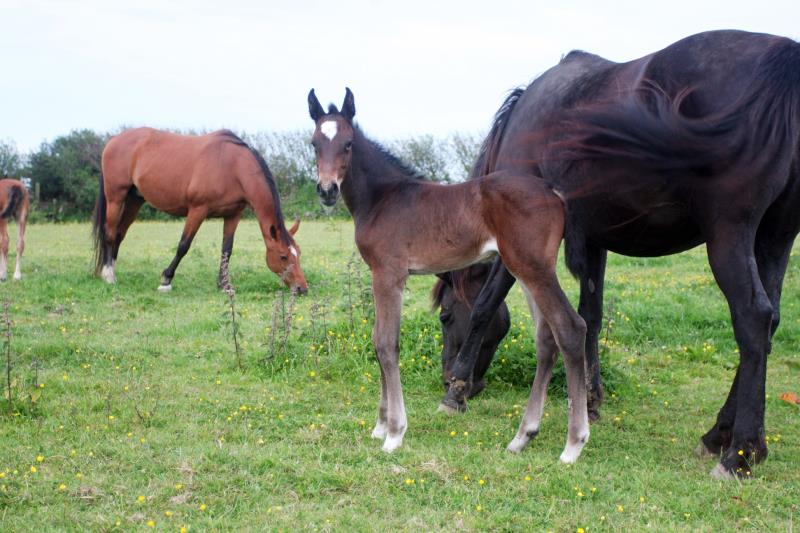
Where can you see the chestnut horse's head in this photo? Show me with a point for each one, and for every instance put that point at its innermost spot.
(333, 142)
(283, 258)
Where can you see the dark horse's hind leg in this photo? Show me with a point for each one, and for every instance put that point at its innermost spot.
(228, 230)
(194, 218)
(773, 247)
(494, 291)
(590, 308)
(733, 263)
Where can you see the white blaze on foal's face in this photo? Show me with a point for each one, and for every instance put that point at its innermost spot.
(329, 129)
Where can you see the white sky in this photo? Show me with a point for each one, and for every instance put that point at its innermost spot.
(414, 66)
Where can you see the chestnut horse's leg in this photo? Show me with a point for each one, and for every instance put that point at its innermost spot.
(115, 203)
(590, 307)
(194, 218)
(131, 208)
(387, 288)
(3, 249)
(546, 354)
(494, 291)
(228, 230)
(22, 220)
(733, 263)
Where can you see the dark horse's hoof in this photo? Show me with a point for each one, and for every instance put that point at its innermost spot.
(738, 461)
(455, 401)
(477, 388)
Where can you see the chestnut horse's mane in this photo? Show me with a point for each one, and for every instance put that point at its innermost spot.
(273, 188)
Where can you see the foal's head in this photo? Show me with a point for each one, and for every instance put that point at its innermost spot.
(333, 143)
(283, 258)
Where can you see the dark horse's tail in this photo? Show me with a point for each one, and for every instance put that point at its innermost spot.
(653, 129)
(15, 197)
(99, 229)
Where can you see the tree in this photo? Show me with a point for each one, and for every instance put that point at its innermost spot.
(10, 159)
(67, 171)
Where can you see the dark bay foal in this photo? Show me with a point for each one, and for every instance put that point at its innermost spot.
(405, 225)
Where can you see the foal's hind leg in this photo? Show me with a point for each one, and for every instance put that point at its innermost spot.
(194, 218)
(546, 354)
(228, 230)
(3, 249)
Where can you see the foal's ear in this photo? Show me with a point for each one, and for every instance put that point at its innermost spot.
(349, 105)
(294, 227)
(314, 107)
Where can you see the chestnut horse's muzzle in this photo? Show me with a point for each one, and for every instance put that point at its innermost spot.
(328, 196)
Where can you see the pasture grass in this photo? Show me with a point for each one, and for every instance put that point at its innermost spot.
(129, 411)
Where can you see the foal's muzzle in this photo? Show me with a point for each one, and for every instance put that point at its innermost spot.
(328, 196)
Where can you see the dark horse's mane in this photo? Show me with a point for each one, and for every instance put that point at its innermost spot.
(273, 188)
(484, 164)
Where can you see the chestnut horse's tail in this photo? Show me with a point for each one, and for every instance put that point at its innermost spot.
(13, 209)
(99, 229)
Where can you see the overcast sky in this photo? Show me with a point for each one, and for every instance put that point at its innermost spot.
(414, 66)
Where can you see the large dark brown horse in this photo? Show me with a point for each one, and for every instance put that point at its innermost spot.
(14, 205)
(697, 143)
(405, 225)
(198, 177)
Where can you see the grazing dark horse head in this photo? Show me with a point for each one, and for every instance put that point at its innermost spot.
(405, 225)
(696, 143)
(198, 177)
(453, 294)
(14, 204)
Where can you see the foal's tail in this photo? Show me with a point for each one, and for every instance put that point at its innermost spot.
(99, 229)
(652, 129)
(14, 206)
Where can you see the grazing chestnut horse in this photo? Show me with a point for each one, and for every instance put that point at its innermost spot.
(214, 175)
(697, 143)
(14, 205)
(405, 225)
(453, 294)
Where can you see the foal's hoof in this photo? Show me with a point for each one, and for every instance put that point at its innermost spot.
(17, 276)
(392, 443)
(703, 452)
(165, 288)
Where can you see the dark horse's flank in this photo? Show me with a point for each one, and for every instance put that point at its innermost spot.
(454, 294)
(699, 142)
(197, 177)
(405, 225)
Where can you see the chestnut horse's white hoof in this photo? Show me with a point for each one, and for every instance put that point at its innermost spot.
(108, 274)
(165, 288)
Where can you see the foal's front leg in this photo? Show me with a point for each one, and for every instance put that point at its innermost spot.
(387, 288)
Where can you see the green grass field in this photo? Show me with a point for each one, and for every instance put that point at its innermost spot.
(129, 410)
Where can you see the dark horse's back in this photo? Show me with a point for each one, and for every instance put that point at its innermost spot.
(635, 148)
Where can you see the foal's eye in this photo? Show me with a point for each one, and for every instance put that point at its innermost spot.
(348, 145)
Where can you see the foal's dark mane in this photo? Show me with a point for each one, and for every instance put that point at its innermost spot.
(273, 188)
(383, 164)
